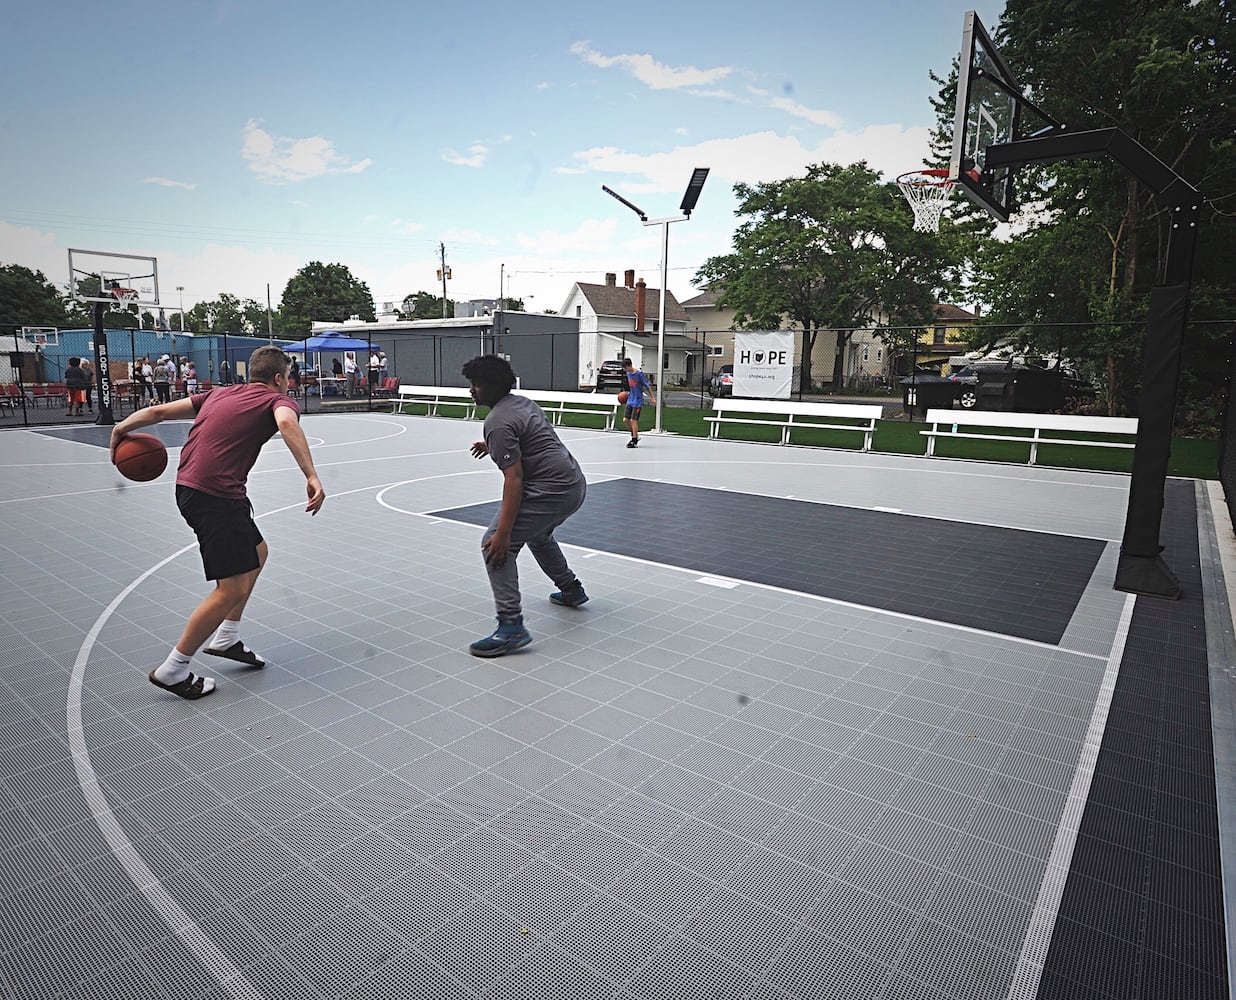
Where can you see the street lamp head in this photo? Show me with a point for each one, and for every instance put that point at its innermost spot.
(694, 186)
(643, 216)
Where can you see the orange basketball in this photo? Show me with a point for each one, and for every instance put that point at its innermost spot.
(623, 396)
(141, 457)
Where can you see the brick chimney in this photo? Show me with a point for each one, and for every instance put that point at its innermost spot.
(628, 279)
(641, 304)
(611, 279)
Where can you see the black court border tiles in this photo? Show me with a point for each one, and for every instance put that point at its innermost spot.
(1141, 914)
(1004, 580)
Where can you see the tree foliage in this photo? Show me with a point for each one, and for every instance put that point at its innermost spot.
(229, 314)
(834, 250)
(323, 293)
(424, 305)
(28, 298)
(1091, 240)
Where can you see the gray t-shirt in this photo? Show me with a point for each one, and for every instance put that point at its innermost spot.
(516, 430)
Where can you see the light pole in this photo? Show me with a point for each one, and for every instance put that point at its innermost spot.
(692, 195)
(175, 356)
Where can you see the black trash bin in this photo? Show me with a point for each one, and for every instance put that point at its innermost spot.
(927, 392)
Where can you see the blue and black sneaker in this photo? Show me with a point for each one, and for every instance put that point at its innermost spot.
(507, 637)
(570, 596)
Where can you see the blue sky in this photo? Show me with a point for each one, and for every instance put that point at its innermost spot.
(236, 142)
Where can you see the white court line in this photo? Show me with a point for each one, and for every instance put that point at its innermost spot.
(178, 922)
(1029, 971)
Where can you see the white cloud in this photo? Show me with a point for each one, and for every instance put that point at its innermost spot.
(813, 115)
(588, 237)
(164, 182)
(278, 158)
(649, 72)
(760, 156)
(475, 156)
(543, 85)
(473, 236)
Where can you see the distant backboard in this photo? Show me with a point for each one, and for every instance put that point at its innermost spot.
(41, 336)
(988, 112)
(94, 274)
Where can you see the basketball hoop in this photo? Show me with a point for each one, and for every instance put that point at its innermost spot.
(927, 191)
(124, 296)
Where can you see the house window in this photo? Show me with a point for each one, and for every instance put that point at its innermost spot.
(579, 311)
(939, 335)
(879, 355)
(714, 350)
(866, 353)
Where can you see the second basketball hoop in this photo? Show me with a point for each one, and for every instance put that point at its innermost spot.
(927, 191)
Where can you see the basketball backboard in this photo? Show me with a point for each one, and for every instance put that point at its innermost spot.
(989, 112)
(94, 275)
(41, 336)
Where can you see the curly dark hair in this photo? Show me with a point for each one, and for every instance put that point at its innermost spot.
(491, 371)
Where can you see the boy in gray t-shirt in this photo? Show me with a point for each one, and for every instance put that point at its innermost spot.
(542, 486)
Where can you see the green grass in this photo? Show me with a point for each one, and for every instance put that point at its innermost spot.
(1193, 458)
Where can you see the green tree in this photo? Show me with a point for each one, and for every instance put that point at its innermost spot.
(324, 293)
(1093, 239)
(27, 298)
(834, 250)
(424, 305)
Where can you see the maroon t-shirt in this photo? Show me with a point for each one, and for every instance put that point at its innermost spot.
(232, 424)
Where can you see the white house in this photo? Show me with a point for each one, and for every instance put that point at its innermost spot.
(620, 321)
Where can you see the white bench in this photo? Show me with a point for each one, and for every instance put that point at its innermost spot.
(791, 415)
(593, 404)
(972, 423)
(434, 397)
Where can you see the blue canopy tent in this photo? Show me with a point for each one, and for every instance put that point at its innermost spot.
(326, 341)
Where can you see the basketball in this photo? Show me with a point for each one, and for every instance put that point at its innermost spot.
(622, 396)
(141, 457)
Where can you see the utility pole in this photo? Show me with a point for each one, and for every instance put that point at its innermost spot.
(444, 272)
(499, 344)
(270, 322)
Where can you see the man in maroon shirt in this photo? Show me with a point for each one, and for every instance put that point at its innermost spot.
(230, 425)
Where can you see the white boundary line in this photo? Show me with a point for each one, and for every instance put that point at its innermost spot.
(1029, 971)
(182, 926)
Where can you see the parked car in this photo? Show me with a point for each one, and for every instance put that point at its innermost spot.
(1071, 387)
(722, 382)
(611, 375)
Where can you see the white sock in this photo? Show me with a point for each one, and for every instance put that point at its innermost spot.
(229, 633)
(175, 668)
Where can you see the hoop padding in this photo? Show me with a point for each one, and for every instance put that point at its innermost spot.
(927, 191)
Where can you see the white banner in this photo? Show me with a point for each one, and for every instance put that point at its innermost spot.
(763, 363)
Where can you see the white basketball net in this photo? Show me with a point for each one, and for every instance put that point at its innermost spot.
(927, 191)
(124, 297)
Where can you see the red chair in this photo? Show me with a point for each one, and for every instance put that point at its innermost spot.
(57, 391)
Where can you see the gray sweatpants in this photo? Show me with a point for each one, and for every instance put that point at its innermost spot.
(534, 527)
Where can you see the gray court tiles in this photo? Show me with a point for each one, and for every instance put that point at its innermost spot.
(827, 728)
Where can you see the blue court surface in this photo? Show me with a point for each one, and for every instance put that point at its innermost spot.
(832, 725)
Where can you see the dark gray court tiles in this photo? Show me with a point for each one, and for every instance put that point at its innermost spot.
(1022, 583)
(713, 780)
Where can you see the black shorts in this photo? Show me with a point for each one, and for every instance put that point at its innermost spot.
(227, 535)
(633, 412)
